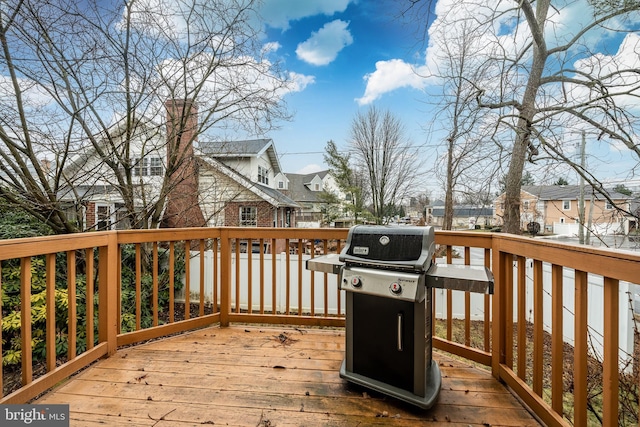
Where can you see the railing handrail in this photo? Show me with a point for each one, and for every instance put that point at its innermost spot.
(517, 245)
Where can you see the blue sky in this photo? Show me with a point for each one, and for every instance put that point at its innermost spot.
(336, 49)
(351, 54)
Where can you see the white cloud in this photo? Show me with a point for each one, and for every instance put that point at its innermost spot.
(271, 47)
(310, 169)
(618, 72)
(324, 45)
(389, 76)
(503, 36)
(33, 94)
(299, 82)
(278, 13)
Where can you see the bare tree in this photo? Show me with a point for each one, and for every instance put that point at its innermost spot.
(546, 79)
(469, 165)
(85, 80)
(559, 93)
(382, 151)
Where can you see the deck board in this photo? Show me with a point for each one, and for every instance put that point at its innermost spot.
(266, 376)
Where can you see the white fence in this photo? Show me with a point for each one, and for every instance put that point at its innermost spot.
(595, 311)
(281, 271)
(595, 291)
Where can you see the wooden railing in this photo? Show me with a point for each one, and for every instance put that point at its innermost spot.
(121, 289)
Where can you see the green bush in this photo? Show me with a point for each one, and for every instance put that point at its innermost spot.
(128, 300)
(11, 313)
(12, 316)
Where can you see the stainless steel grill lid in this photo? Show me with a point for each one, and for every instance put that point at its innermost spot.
(390, 247)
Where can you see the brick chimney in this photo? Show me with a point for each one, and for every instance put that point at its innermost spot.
(183, 208)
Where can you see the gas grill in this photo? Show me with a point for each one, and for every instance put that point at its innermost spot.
(387, 273)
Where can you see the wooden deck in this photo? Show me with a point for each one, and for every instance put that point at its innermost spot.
(266, 376)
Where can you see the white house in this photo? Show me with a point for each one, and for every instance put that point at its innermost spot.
(210, 183)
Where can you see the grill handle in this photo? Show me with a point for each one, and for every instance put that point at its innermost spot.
(400, 328)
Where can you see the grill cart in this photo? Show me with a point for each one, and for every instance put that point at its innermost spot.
(388, 274)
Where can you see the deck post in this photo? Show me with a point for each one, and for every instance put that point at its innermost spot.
(225, 277)
(498, 350)
(107, 291)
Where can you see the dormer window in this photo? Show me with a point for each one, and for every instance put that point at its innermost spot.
(263, 175)
(281, 185)
(316, 187)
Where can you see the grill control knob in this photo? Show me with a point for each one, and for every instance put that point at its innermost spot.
(356, 282)
(395, 288)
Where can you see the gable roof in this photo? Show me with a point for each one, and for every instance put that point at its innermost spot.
(298, 189)
(568, 192)
(242, 149)
(141, 126)
(270, 195)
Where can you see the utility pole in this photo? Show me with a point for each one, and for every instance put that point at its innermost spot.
(581, 219)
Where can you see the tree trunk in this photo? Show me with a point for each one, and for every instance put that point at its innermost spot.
(527, 111)
(447, 222)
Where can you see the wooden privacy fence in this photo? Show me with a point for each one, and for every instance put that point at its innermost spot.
(85, 295)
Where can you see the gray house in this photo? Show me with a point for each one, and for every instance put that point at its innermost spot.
(464, 216)
(309, 191)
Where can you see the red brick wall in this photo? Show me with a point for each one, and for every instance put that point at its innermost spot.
(264, 213)
(90, 215)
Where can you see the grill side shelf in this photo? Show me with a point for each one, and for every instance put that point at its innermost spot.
(466, 278)
(326, 264)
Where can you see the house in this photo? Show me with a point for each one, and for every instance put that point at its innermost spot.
(313, 193)
(212, 183)
(555, 209)
(464, 216)
(238, 185)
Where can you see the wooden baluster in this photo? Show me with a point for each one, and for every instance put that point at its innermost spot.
(72, 335)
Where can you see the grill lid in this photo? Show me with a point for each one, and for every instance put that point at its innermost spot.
(402, 247)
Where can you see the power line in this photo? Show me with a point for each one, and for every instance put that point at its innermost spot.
(299, 153)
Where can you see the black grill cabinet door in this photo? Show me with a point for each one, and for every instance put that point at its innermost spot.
(377, 351)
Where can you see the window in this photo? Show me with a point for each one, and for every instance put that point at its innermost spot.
(248, 216)
(156, 166)
(71, 212)
(525, 205)
(566, 205)
(608, 206)
(122, 219)
(147, 166)
(103, 217)
(140, 166)
(263, 175)
(281, 185)
(317, 187)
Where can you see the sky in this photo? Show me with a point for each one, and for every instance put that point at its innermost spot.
(352, 54)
